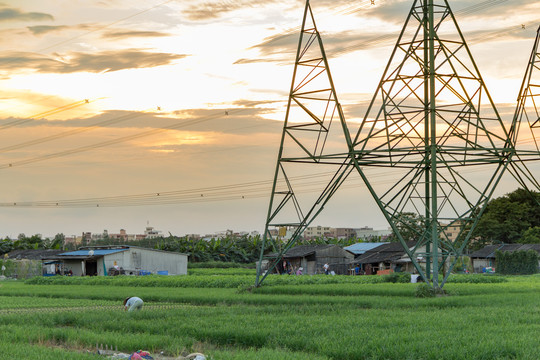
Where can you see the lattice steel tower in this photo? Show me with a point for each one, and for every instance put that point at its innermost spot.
(431, 125)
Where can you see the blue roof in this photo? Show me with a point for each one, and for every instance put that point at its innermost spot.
(97, 252)
(360, 248)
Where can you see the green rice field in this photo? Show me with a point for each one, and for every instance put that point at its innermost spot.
(289, 317)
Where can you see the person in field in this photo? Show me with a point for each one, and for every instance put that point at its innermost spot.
(326, 268)
(132, 303)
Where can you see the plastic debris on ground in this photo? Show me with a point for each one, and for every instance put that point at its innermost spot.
(119, 356)
(140, 355)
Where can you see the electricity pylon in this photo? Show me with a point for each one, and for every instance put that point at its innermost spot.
(431, 125)
(312, 111)
(525, 131)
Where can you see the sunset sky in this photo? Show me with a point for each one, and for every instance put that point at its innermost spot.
(172, 110)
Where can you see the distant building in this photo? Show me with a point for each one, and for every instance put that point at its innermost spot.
(386, 258)
(86, 237)
(312, 232)
(367, 233)
(344, 233)
(312, 258)
(231, 234)
(73, 240)
(283, 233)
(151, 233)
(122, 236)
(452, 230)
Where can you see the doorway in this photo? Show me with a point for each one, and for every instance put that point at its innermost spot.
(91, 267)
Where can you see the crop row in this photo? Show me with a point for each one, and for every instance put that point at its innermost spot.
(22, 302)
(235, 281)
(221, 271)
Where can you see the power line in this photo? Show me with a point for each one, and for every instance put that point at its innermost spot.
(117, 140)
(72, 132)
(309, 183)
(57, 110)
(220, 193)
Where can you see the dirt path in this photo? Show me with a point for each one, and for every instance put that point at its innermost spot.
(83, 308)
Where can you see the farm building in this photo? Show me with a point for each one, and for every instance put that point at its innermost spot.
(312, 258)
(485, 257)
(27, 263)
(385, 258)
(128, 260)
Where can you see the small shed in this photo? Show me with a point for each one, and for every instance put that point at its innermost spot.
(313, 257)
(29, 262)
(485, 257)
(388, 256)
(128, 260)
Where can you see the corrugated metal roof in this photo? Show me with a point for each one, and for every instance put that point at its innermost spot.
(485, 251)
(360, 248)
(386, 252)
(489, 250)
(97, 252)
(33, 254)
(302, 251)
(305, 250)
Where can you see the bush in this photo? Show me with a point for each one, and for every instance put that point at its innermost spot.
(476, 279)
(426, 291)
(220, 265)
(517, 263)
(397, 278)
(222, 271)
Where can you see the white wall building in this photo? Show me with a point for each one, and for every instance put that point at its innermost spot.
(367, 233)
(133, 260)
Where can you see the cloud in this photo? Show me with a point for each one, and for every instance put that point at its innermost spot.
(214, 9)
(125, 34)
(114, 34)
(396, 11)
(105, 61)
(282, 48)
(253, 103)
(109, 3)
(11, 14)
(207, 11)
(246, 120)
(43, 29)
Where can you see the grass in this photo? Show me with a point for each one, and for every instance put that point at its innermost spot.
(341, 320)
